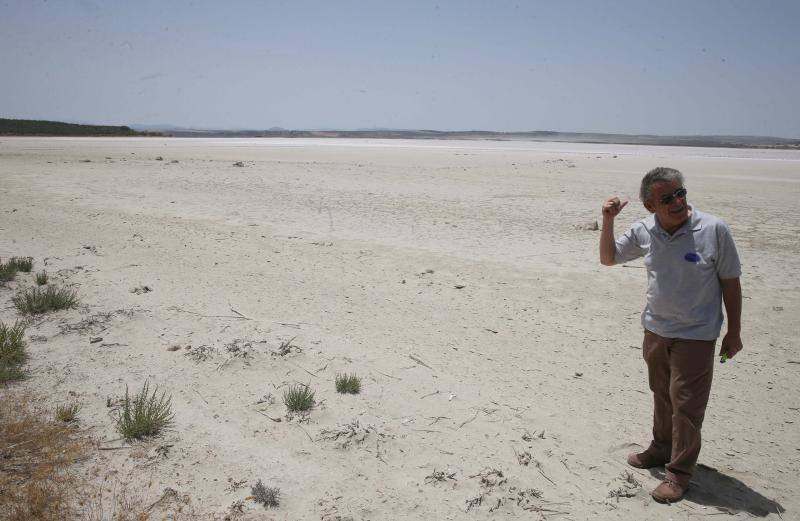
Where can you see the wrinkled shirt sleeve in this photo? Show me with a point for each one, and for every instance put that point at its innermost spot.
(727, 262)
(629, 246)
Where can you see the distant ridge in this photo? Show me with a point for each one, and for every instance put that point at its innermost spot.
(25, 127)
(32, 127)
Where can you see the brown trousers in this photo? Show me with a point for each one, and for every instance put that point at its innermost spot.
(680, 373)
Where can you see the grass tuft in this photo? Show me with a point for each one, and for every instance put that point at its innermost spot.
(145, 414)
(34, 301)
(35, 457)
(10, 373)
(41, 278)
(348, 384)
(7, 272)
(267, 496)
(24, 264)
(12, 351)
(299, 398)
(68, 412)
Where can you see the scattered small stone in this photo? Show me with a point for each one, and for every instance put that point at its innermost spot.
(174, 162)
(159, 158)
(459, 286)
(777, 308)
(590, 226)
(140, 289)
(95, 339)
(173, 348)
(578, 375)
(238, 163)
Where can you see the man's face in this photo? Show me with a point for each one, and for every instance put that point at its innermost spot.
(670, 215)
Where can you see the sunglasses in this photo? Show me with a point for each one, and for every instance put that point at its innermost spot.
(666, 199)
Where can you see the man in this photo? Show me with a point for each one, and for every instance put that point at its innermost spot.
(692, 265)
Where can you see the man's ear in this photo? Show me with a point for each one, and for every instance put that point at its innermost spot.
(650, 207)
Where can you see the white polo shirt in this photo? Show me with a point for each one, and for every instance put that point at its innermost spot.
(684, 295)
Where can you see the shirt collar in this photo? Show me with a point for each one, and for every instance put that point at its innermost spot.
(694, 224)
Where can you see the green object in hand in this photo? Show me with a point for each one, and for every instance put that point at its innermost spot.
(723, 358)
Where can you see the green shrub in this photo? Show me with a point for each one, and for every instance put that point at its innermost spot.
(12, 351)
(348, 384)
(34, 301)
(24, 264)
(267, 496)
(10, 373)
(299, 398)
(145, 414)
(68, 412)
(7, 272)
(41, 278)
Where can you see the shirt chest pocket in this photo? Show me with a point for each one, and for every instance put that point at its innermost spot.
(701, 258)
(680, 262)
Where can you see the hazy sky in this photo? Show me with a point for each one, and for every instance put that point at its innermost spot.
(661, 67)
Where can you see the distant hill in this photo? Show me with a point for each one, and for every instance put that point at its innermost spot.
(30, 127)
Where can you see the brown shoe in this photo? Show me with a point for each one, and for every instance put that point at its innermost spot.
(668, 492)
(644, 460)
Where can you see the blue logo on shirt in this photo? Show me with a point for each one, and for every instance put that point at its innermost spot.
(691, 257)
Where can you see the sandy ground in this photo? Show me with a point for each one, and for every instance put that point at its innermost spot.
(456, 278)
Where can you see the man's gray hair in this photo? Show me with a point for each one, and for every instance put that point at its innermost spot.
(661, 174)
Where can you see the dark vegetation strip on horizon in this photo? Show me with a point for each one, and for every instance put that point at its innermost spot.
(29, 127)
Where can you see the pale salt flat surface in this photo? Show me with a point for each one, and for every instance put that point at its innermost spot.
(331, 242)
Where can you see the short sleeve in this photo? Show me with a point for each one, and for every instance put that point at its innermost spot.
(727, 264)
(628, 246)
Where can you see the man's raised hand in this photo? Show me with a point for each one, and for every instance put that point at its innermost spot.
(612, 206)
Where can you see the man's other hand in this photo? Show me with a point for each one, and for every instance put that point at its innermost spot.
(731, 344)
(612, 206)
